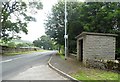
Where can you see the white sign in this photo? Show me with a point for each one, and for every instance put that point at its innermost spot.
(66, 36)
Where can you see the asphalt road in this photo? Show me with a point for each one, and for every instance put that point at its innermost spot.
(12, 66)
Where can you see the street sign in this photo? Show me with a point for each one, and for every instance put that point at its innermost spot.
(66, 36)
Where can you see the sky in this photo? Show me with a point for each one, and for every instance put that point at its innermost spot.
(37, 29)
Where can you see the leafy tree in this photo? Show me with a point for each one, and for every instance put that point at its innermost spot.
(44, 42)
(103, 17)
(12, 26)
(55, 22)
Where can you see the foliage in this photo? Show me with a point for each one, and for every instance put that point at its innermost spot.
(24, 45)
(15, 17)
(118, 52)
(44, 42)
(11, 44)
(55, 22)
(102, 17)
(15, 43)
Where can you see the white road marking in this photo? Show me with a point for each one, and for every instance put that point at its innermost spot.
(10, 60)
(6, 61)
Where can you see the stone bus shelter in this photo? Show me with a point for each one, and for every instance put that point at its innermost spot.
(96, 46)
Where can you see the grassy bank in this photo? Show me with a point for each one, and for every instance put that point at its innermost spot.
(20, 53)
(88, 75)
(61, 55)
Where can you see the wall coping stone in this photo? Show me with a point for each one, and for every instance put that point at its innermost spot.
(96, 34)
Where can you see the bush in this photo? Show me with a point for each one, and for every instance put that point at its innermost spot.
(118, 53)
(11, 44)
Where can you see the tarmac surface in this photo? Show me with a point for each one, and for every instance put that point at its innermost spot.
(42, 72)
(29, 67)
(68, 66)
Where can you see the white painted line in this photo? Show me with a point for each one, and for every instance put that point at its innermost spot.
(6, 61)
(10, 60)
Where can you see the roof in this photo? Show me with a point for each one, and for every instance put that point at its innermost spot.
(97, 34)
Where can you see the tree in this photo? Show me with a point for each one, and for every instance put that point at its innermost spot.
(55, 22)
(103, 17)
(44, 42)
(14, 8)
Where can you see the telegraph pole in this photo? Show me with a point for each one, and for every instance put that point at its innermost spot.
(65, 36)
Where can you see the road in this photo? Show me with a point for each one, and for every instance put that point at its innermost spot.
(29, 67)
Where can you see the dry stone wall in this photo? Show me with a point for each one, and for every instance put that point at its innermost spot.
(5, 49)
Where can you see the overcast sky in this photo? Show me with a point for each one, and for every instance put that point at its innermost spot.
(37, 29)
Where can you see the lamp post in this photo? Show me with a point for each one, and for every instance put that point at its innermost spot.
(65, 36)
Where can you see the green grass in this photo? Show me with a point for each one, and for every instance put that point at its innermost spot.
(88, 75)
(20, 53)
(62, 56)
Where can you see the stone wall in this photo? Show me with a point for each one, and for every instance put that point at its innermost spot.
(99, 47)
(104, 64)
(5, 49)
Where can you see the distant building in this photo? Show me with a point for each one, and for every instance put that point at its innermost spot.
(96, 46)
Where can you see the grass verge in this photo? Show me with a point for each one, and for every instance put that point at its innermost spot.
(96, 75)
(62, 56)
(20, 53)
